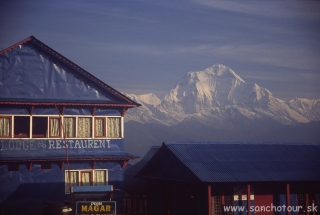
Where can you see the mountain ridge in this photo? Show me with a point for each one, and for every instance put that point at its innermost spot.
(217, 93)
(217, 105)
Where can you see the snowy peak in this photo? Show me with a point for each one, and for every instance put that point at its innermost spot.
(201, 90)
(149, 99)
(220, 71)
(307, 107)
(217, 94)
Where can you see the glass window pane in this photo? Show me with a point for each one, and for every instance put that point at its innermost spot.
(54, 127)
(69, 127)
(39, 127)
(4, 127)
(100, 127)
(84, 127)
(100, 177)
(71, 179)
(114, 127)
(85, 178)
(21, 126)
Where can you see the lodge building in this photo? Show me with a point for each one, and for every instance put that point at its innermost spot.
(60, 128)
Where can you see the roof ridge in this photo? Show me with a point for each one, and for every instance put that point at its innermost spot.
(16, 44)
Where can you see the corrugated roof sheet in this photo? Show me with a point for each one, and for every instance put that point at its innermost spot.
(240, 162)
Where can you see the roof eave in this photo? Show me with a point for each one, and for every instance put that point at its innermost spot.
(48, 159)
(126, 105)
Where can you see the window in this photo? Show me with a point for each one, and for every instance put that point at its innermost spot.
(21, 126)
(100, 177)
(71, 179)
(301, 201)
(99, 127)
(5, 126)
(228, 202)
(84, 127)
(69, 127)
(85, 178)
(218, 202)
(39, 127)
(54, 127)
(216, 205)
(114, 127)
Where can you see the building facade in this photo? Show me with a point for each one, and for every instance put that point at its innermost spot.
(60, 127)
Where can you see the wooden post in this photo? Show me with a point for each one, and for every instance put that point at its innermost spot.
(248, 198)
(209, 201)
(307, 203)
(288, 198)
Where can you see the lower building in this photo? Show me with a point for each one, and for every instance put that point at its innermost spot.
(225, 179)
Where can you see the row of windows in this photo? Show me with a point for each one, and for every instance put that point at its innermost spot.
(57, 127)
(85, 178)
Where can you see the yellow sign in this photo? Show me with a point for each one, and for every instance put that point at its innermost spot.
(96, 208)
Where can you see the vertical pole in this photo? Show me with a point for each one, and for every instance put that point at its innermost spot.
(288, 198)
(248, 198)
(209, 201)
(307, 203)
(223, 203)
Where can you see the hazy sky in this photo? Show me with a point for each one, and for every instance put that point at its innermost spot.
(145, 46)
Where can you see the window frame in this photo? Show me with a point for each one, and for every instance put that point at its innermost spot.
(106, 174)
(66, 178)
(120, 127)
(75, 126)
(104, 128)
(92, 177)
(10, 126)
(91, 126)
(28, 134)
(38, 136)
(60, 127)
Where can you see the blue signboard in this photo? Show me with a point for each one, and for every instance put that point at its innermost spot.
(54, 147)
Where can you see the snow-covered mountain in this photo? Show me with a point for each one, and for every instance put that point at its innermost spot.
(306, 107)
(217, 95)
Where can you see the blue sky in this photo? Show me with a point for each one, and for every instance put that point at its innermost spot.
(145, 46)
